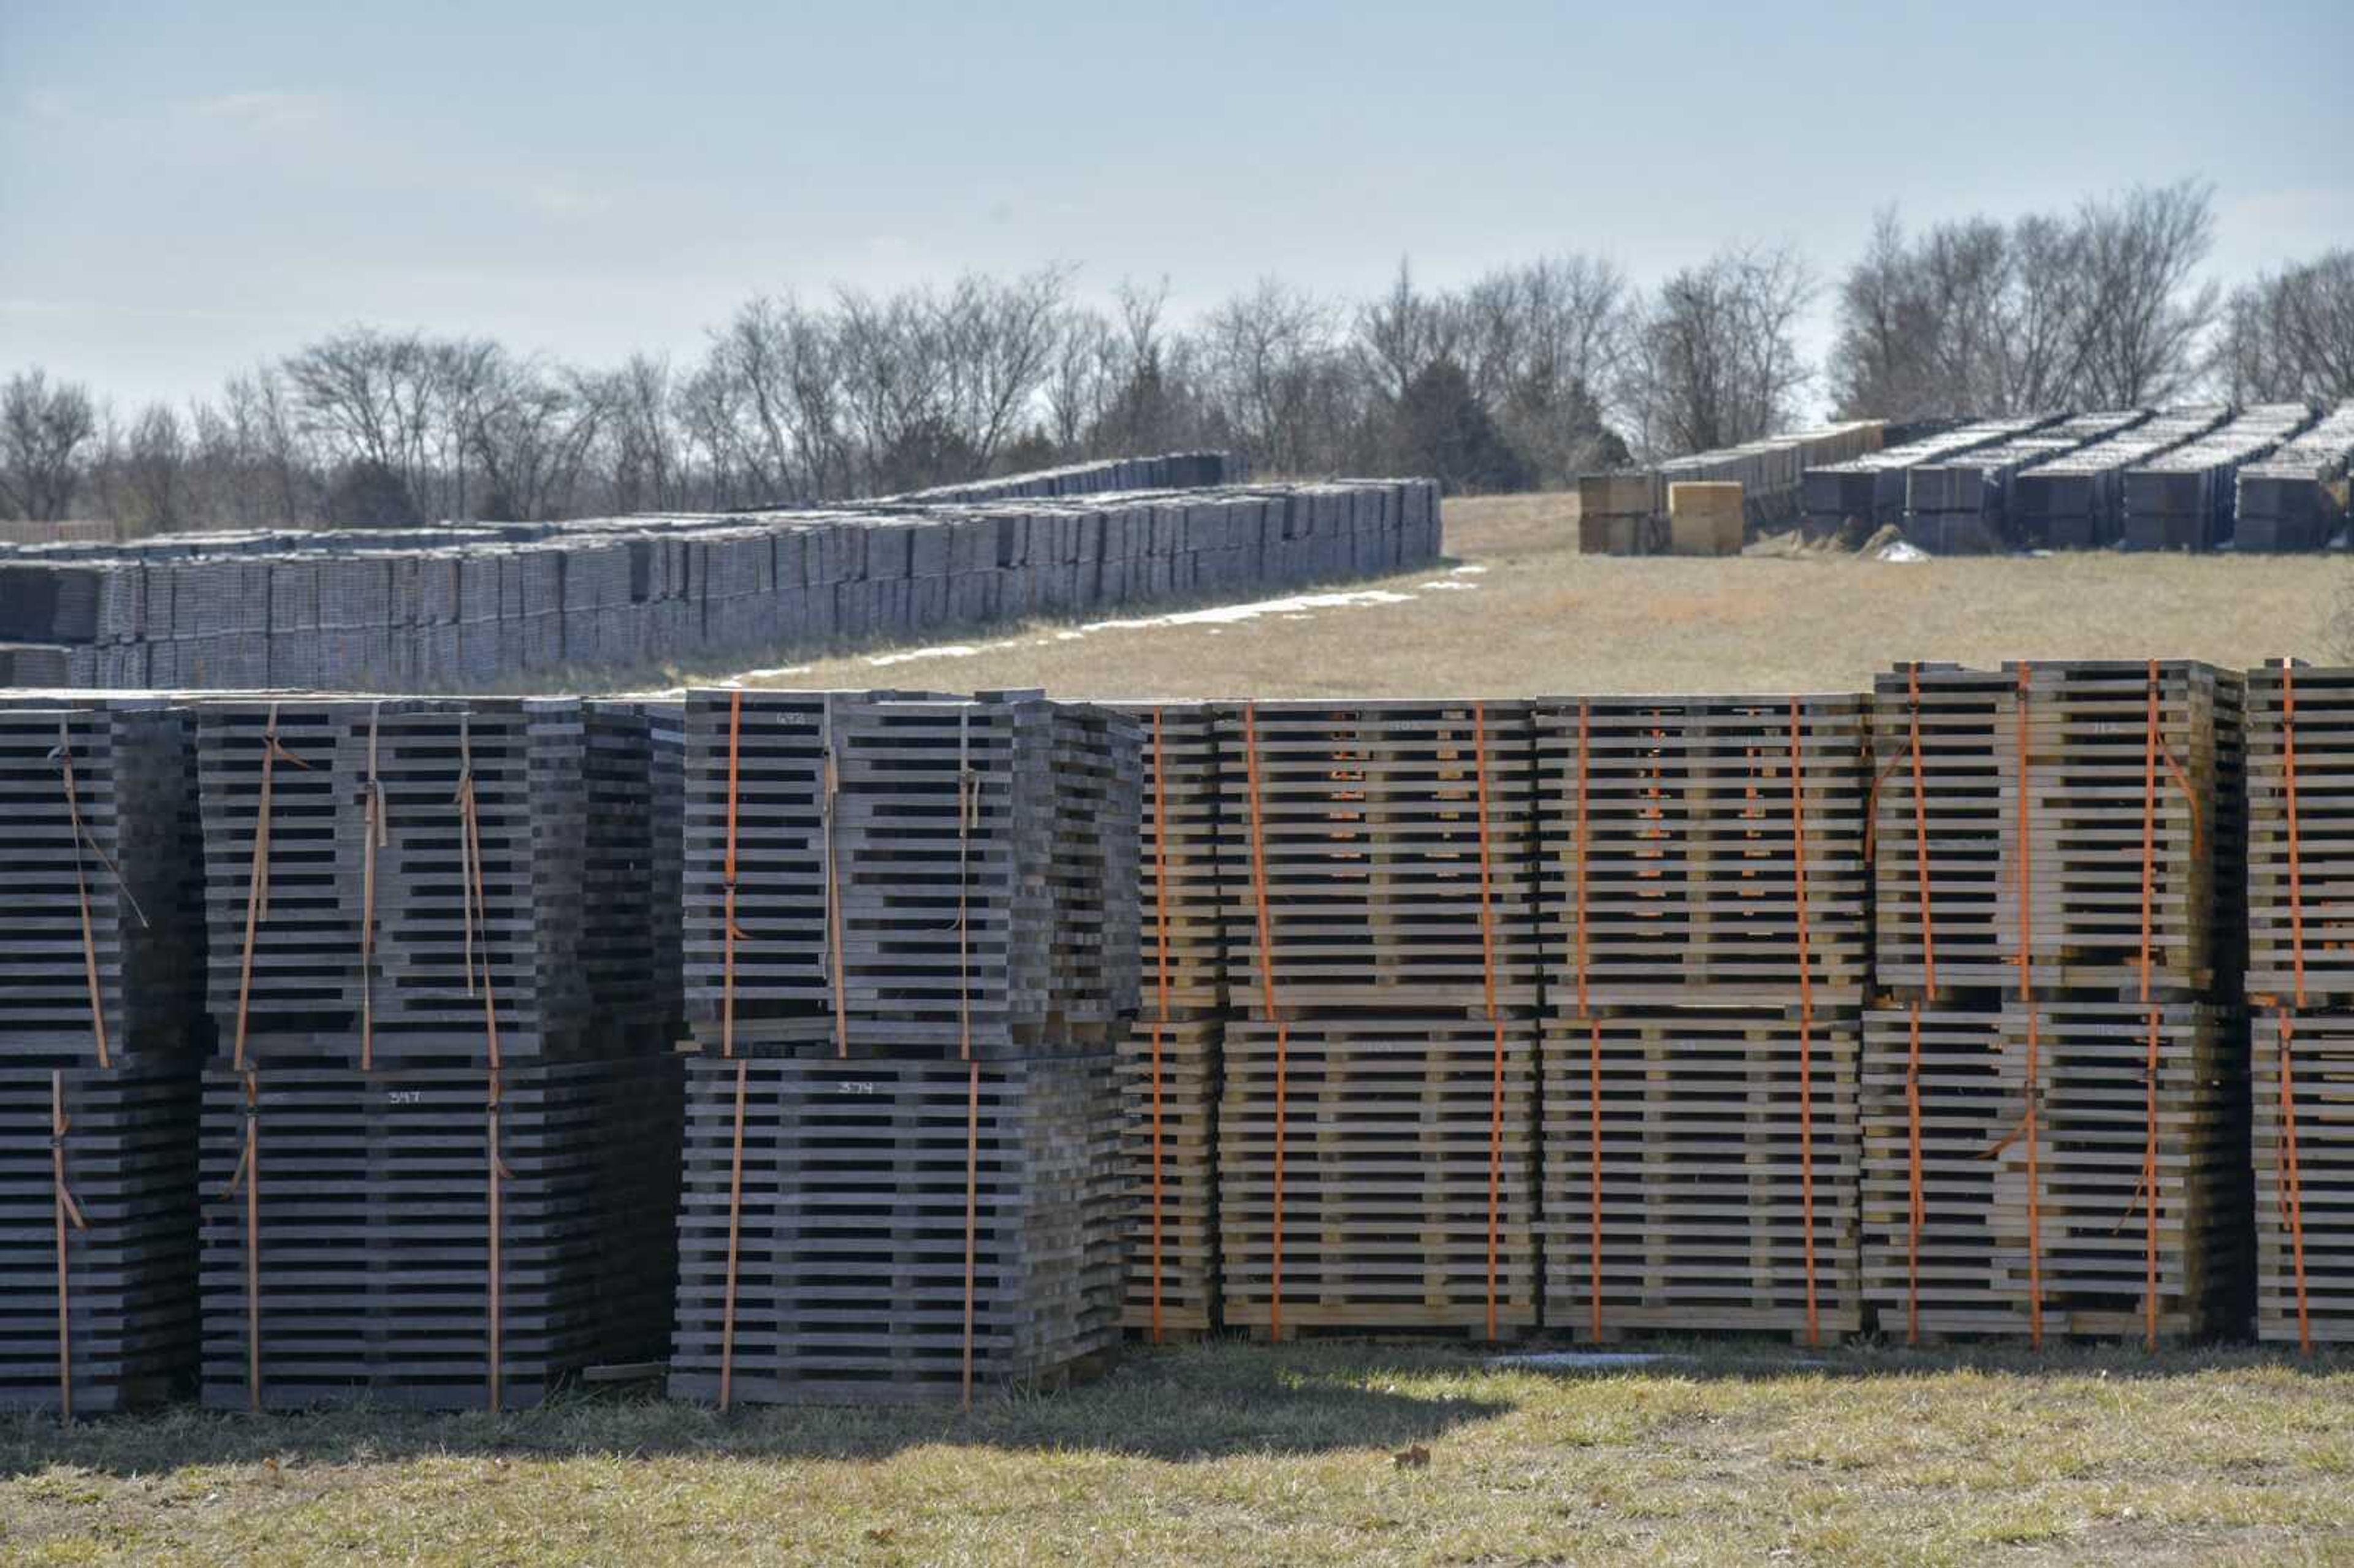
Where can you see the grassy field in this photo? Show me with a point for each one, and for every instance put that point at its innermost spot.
(1523, 613)
(1236, 1453)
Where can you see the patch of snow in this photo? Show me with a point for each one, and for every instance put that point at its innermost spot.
(940, 651)
(1901, 551)
(1467, 569)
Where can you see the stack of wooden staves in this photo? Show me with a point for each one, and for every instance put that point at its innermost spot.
(1377, 1121)
(1170, 1060)
(1707, 943)
(2055, 1084)
(442, 1095)
(100, 961)
(910, 943)
(2301, 983)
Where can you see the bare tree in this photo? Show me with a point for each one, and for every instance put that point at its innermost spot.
(998, 344)
(1268, 362)
(1404, 332)
(43, 428)
(154, 466)
(2290, 334)
(1715, 360)
(2144, 317)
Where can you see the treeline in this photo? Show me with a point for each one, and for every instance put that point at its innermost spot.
(1523, 379)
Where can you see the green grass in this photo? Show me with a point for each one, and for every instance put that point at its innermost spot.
(1234, 1453)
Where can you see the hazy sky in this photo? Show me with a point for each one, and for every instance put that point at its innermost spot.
(187, 188)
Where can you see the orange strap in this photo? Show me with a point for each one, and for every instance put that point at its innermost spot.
(1593, 1039)
(63, 755)
(257, 892)
(2292, 1180)
(734, 1238)
(834, 958)
(371, 837)
(1916, 1205)
(477, 910)
(728, 880)
(1160, 966)
(2295, 842)
(968, 814)
(1495, 1017)
(727, 1049)
(1805, 1021)
(69, 1217)
(1274, 1010)
(496, 1175)
(1921, 839)
(247, 1178)
(2034, 1040)
(2152, 744)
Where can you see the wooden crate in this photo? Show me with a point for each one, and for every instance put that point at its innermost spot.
(373, 1250)
(850, 1237)
(2095, 784)
(1712, 1124)
(1406, 1151)
(2305, 1224)
(1371, 822)
(1168, 1150)
(1669, 828)
(2081, 1217)
(1704, 518)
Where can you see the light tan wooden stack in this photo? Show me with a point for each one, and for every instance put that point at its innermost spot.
(1705, 519)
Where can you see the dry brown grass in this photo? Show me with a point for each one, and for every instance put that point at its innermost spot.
(1239, 1455)
(1544, 619)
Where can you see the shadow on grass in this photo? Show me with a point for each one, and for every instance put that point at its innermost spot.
(1193, 1403)
(1768, 1360)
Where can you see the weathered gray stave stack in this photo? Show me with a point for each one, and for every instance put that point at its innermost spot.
(2182, 499)
(1963, 505)
(99, 1033)
(910, 948)
(2296, 499)
(1377, 1115)
(1867, 492)
(441, 1122)
(2076, 501)
(2054, 1098)
(1706, 927)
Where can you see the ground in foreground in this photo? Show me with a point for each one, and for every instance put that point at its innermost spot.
(1517, 611)
(1235, 1454)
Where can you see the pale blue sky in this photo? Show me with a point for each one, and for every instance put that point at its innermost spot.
(186, 188)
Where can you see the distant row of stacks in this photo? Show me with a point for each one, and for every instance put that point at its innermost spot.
(2296, 498)
(2186, 499)
(473, 608)
(910, 949)
(1628, 513)
(1175, 471)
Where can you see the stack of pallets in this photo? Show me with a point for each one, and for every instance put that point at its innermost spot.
(910, 948)
(100, 956)
(1169, 1061)
(440, 1116)
(2295, 497)
(1706, 941)
(2054, 1094)
(2301, 985)
(1377, 1120)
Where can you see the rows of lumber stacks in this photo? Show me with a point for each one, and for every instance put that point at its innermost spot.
(99, 962)
(910, 949)
(1964, 505)
(1855, 498)
(472, 607)
(1705, 945)
(2077, 501)
(1628, 513)
(2296, 498)
(1377, 1125)
(2300, 984)
(2055, 1074)
(441, 1101)
(1172, 471)
(2183, 499)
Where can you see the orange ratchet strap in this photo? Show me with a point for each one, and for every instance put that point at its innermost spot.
(2292, 1174)
(968, 815)
(1160, 966)
(1806, 1022)
(477, 910)
(1594, 1039)
(1916, 1209)
(257, 893)
(2034, 1041)
(1495, 1018)
(247, 1178)
(69, 1216)
(372, 838)
(1267, 988)
(727, 1049)
(835, 960)
(63, 757)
